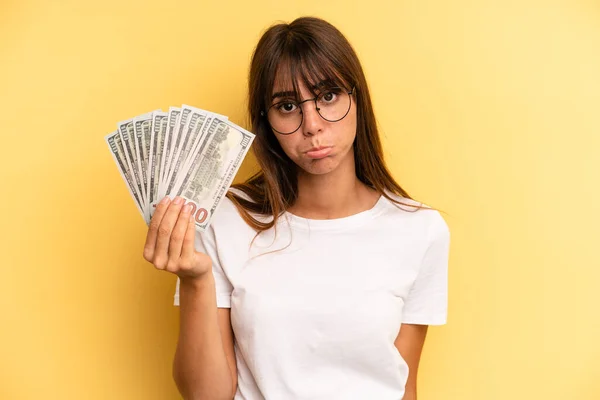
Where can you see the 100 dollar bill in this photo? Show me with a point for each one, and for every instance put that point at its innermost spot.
(213, 164)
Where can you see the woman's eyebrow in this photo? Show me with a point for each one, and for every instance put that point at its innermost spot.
(284, 94)
(292, 93)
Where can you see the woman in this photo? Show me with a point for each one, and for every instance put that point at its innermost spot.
(318, 277)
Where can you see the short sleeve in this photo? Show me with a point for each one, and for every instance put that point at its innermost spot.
(206, 243)
(427, 301)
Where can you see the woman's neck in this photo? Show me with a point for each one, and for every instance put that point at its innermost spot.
(336, 194)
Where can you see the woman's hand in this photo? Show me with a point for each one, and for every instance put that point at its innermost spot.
(170, 241)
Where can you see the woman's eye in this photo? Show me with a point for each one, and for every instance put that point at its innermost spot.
(328, 97)
(286, 107)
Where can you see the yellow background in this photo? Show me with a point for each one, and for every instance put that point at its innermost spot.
(490, 110)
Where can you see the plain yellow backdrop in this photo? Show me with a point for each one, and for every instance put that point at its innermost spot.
(490, 111)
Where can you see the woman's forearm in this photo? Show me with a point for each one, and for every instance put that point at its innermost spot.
(200, 368)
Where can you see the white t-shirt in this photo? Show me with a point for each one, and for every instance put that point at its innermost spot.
(317, 319)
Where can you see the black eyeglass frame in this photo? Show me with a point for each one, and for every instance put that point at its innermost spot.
(350, 93)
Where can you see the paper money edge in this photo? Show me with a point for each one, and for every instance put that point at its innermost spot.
(122, 127)
(127, 183)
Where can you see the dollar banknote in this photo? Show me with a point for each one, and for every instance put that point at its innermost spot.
(199, 134)
(187, 152)
(141, 151)
(213, 165)
(128, 139)
(196, 123)
(175, 150)
(172, 128)
(116, 147)
(158, 129)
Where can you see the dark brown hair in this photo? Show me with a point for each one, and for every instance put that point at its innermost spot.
(314, 51)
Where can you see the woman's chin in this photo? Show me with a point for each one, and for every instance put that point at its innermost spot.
(321, 166)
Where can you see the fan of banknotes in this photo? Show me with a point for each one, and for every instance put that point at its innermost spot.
(187, 152)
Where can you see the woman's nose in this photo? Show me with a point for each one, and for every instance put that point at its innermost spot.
(312, 121)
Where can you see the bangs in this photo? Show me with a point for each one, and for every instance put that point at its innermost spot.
(304, 63)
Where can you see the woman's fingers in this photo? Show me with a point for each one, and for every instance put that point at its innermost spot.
(170, 241)
(188, 249)
(165, 229)
(178, 234)
(149, 246)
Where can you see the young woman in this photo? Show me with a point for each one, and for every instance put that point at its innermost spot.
(319, 276)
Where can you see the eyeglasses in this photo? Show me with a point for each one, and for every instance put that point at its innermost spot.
(332, 104)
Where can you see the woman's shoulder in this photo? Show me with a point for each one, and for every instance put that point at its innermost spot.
(421, 214)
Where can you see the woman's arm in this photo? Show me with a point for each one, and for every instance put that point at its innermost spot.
(409, 343)
(204, 365)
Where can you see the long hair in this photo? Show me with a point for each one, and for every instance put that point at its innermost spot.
(312, 50)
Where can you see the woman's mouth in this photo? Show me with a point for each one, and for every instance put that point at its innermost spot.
(319, 152)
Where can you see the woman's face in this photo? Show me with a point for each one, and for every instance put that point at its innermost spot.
(319, 146)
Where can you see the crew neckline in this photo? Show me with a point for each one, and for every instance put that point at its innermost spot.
(336, 223)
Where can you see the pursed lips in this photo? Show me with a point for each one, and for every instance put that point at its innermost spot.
(319, 152)
(318, 148)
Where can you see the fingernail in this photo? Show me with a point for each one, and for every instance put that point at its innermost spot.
(187, 208)
(178, 200)
(165, 200)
